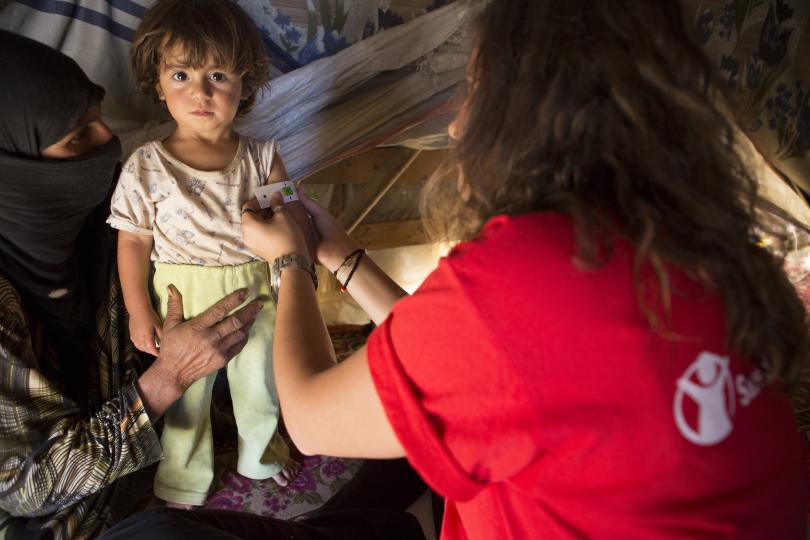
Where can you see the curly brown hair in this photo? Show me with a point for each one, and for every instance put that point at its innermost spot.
(605, 111)
(219, 28)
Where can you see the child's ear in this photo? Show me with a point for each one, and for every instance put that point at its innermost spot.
(159, 91)
(247, 91)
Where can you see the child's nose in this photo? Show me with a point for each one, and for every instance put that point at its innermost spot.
(200, 89)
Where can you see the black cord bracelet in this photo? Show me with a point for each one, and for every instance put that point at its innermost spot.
(347, 259)
(356, 264)
(343, 269)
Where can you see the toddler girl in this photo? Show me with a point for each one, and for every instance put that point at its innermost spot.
(177, 203)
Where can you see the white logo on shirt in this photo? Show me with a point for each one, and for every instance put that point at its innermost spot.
(708, 385)
(707, 382)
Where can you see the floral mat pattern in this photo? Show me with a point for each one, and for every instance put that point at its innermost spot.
(319, 479)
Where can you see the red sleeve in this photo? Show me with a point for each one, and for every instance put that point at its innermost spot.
(456, 406)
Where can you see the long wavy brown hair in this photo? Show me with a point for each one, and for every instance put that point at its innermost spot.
(606, 111)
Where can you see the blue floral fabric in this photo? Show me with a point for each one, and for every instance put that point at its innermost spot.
(758, 46)
(332, 25)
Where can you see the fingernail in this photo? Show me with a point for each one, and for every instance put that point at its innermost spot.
(170, 290)
(243, 294)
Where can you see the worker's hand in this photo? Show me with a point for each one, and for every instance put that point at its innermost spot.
(271, 233)
(334, 243)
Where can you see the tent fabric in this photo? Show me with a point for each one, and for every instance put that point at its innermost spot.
(359, 98)
(762, 51)
(759, 46)
(73, 26)
(350, 86)
(330, 27)
(321, 112)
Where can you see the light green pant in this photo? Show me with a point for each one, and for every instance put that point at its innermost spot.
(186, 470)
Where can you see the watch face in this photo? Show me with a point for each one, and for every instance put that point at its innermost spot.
(291, 259)
(275, 277)
(275, 280)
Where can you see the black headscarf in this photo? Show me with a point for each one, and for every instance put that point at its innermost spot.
(54, 244)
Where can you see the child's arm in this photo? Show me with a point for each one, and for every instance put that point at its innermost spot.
(278, 173)
(133, 271)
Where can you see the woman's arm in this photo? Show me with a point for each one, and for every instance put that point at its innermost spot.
(51, 455)
(329, 408)
(369, 286)
(374, 290)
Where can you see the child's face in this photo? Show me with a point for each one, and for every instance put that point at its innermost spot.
(202, 100)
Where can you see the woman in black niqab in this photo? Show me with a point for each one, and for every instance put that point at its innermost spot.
(55, 247)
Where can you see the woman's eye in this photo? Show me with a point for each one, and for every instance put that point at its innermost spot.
(180, 76)
(217, 76)
(77, 138)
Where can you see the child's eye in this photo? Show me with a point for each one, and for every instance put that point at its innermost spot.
(217, 76)
(180, 76)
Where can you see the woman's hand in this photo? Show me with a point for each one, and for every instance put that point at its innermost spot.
(273, 233)
(195, 348)
(144, 327)
(334, 243)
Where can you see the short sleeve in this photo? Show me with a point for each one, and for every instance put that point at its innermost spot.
(453, 399)
(132, 207)
(264, 153)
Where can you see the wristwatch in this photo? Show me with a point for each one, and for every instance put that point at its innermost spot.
(290, 259)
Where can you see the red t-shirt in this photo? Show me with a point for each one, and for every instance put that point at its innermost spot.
(535, 397)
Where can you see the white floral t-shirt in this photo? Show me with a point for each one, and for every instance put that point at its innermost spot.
(192, 214)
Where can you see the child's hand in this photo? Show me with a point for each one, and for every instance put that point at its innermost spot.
(143, 327)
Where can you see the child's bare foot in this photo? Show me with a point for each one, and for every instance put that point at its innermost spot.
(290, 471)
(180, 506)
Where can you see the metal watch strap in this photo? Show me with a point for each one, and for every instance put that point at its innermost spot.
(285, 261)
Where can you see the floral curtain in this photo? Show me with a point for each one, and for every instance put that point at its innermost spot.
(762, 49)
(332, 25)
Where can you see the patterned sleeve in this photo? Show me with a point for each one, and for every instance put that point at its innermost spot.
(265, 152)
(50, 456)
(132, 208)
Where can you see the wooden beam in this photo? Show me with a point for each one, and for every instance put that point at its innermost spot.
(370, 195)
(380, 162)
(391, 234)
